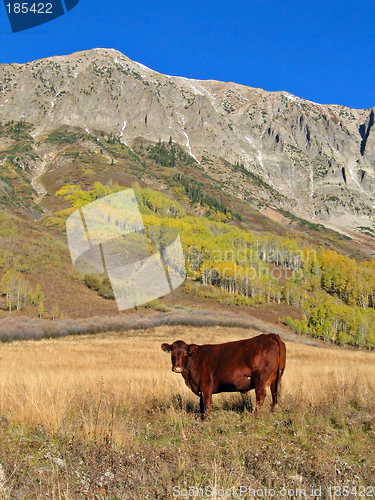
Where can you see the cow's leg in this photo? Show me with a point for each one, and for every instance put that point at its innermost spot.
(201, 406)
(207, 400)
(274, 394)
(205, 403)
(260, 394)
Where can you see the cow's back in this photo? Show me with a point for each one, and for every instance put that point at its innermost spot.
(232, 365)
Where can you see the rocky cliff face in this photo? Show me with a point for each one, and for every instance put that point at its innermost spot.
(317, 160)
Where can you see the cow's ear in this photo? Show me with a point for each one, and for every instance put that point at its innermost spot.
(192, 348)
(166, 348)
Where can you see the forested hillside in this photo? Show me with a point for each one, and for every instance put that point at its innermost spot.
(335, 293)
(234, 255)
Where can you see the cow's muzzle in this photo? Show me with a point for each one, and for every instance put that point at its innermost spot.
(177, 369)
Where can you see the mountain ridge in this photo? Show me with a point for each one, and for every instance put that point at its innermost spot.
(317, 160)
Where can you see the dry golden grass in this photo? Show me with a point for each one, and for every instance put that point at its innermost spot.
(47, 381)
(104, 417)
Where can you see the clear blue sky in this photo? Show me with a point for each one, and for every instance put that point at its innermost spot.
(323, 51)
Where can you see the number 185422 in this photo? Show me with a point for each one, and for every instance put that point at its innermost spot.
(357, 491)
(25, 8)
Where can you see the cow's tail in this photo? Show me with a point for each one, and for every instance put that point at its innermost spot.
(282, 360)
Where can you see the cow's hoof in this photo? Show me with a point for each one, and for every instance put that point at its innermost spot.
(204, 418)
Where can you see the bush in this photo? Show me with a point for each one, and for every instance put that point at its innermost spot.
(92, 281)
(105, 289)
(100, 284)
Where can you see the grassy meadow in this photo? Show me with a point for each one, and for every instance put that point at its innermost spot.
(103, 417)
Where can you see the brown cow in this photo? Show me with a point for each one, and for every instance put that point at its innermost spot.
(238, 366)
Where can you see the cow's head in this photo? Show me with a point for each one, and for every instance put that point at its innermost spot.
(180, 354)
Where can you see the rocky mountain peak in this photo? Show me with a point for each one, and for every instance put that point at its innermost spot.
(317, 160)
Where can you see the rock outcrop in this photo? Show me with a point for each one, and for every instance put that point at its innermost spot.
(318, 160)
